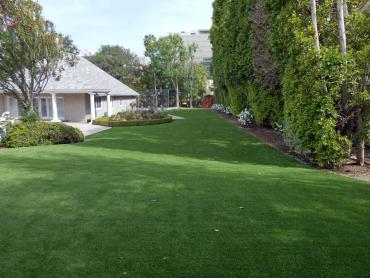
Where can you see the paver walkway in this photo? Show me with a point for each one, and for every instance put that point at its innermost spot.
(88, 129)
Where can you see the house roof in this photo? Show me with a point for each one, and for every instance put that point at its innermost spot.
(87, 77)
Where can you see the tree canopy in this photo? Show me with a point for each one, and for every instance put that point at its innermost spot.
(31, 51)
(171, 63)
(121, 63)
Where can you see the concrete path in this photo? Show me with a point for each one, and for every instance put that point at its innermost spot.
(176, 117)
(88, 129)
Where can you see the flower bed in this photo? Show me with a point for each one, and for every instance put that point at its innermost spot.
(245, 118)
(135, 118)
(112, 123)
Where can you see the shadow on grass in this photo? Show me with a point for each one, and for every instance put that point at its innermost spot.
(202, 135)
(83, 214)
(193, 198)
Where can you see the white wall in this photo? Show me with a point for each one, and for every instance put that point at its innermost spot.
(121, 104)
(77, 106)
(74, 107)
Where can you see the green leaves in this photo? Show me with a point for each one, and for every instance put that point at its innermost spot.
(31, 50)
(252, 39)
(121, 63)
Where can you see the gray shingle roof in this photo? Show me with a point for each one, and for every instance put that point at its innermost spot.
(87, 77)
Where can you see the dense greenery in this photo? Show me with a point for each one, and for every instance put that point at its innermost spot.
(31, 51)
(135, 118)
(195, 198)
(121, 63)
(28, 134)
(172, 66)
(265, 59)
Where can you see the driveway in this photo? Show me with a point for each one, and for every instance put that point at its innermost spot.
(88, 129)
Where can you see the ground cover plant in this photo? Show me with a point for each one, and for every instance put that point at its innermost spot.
(196, 198)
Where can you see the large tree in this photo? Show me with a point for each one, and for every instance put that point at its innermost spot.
(169, 58)
(31, 51)
(199, 82)
(153, 69)
(121, 63)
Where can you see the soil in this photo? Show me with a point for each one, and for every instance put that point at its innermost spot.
(275, 139)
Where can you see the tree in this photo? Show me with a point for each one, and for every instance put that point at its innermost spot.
(121, 63)
(314, 23)
(192, 49)
(264, 50)
(200, 77)
(152, 52)
(173, 56)
(31, 51)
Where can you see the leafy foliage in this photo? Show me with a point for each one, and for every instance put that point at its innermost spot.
(121, 63)
(245, 118)
(168, 55)
(273, 69)
(31, 51)
(27, 134)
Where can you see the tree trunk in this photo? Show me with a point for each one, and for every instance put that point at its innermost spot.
(366, 6)
(360, 152)
(314, 22)
(342, 11)
(191, 92)
(155, 92)
(342, 27)
(177, 95)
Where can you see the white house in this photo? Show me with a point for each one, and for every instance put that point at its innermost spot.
(83, 93)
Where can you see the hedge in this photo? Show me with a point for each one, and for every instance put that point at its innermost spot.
(111, 123)
(41, 133)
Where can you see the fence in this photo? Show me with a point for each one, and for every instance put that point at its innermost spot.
(164, 98)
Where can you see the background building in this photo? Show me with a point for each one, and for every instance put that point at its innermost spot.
(204, 52)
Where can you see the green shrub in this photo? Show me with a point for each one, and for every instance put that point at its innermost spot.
(138, 115)
(112, 123)
(311, 91)
(266, 106)
(30, 118)
(41, 133)
(238, 99)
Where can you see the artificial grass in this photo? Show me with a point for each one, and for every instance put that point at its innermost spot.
(194, 198)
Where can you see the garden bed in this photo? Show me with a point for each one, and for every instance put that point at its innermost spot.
(275, 139)
(113, 123)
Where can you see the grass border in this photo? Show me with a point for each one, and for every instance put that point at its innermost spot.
(110, 123)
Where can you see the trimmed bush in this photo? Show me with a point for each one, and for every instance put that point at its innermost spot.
(41, 133)
(111, 123)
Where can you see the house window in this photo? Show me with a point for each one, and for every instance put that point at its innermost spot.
(45, 107)
(120, 101)
(97, 102)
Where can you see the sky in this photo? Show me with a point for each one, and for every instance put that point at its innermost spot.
(92, 23)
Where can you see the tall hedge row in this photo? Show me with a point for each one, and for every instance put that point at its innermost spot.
(265, 59)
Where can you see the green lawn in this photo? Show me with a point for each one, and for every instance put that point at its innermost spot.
(194, 198)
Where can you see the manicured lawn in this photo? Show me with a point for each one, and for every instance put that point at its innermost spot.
(194, 198)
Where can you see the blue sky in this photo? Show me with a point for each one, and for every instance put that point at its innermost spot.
(92, 23)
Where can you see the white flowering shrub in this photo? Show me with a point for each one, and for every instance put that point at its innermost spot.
(245, 118)
(228, 110)
(279, 127)
(218, 108)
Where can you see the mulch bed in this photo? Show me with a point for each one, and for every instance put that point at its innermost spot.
(276, 140)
